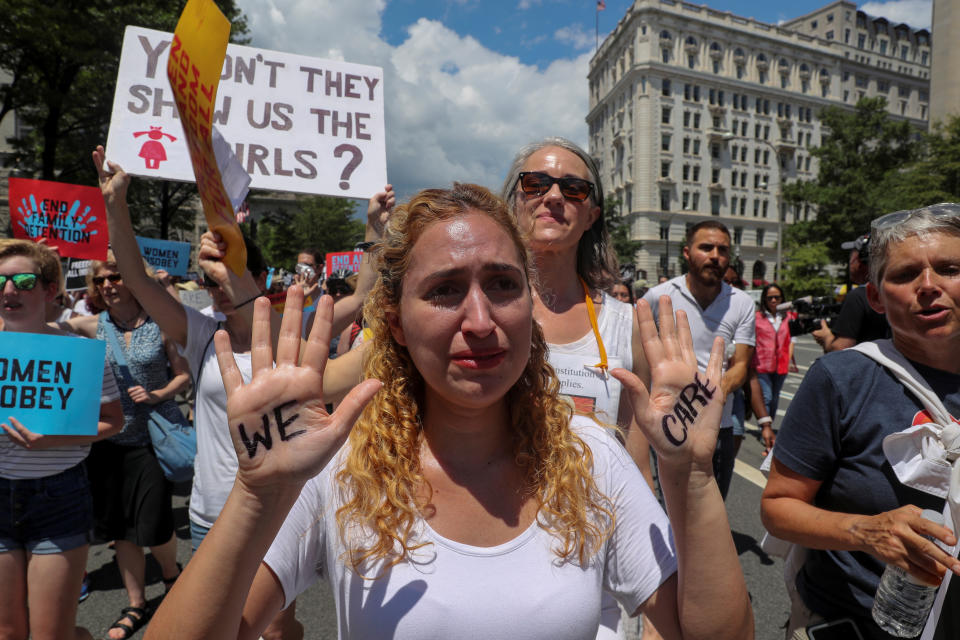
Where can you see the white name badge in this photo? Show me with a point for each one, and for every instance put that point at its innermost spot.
(591, 388)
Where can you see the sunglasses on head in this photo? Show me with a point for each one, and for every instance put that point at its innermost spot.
(941, 211)
(21, 281)
(536, 183)
(113, 277)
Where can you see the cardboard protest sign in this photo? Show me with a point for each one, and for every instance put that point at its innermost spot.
(75, 274)
(193, 69)
(349, 260)
(173, 257)
(71, 217)
(296, 123)
(51, 384)
(279, 301)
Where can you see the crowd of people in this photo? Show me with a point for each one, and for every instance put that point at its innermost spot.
(485, 398)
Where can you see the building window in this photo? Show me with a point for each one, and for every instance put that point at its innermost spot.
(686, 145)
(665, 142)
(665, 87)
(715, 150)
(861, 40)
(756, 181)
(696, 173)
(737, 234)
(715, 176)
(743, 180)
(743, 206)
(846, 36)
(664, 169)
(760, 237)
(665, 115)
(696, 121)
(691, 61)
(765, 207)
(756, 208)
(696, 147)
(695, 205)
(766, 156)
(883, 86)
(716, 66)
(756, 155)
(685, 201)
(883, 47)
(756, 130)
(665, 54)
(733, 205)
(664, 230)
(715, 204)
(762, 77)
(733, 177)
(743, 154)
(665, 200)
(686, 172)
(904, 51)
(829, 35)
(740, 72)
(686, 118)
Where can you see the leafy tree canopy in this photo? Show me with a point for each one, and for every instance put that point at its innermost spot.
(62, 57)
(618, 226)
(321, 223)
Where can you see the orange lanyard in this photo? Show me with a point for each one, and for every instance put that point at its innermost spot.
(593, 324)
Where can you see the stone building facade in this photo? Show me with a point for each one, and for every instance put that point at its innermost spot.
(697, 113)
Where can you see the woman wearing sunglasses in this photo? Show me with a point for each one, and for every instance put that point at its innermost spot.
(45, 505)
(774, 350)
(553, 188)
(133, 501)
(835, 484)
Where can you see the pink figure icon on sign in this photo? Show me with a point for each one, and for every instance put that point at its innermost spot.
(152, 150)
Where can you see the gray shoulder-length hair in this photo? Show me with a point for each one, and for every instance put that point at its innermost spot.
(894, 228)
(596, 260)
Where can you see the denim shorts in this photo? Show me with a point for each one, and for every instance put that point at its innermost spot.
(197, 533)
(46, 515)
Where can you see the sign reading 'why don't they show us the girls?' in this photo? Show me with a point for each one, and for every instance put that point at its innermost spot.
(295, 123)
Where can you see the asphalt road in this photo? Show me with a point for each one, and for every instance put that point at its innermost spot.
(764, 574)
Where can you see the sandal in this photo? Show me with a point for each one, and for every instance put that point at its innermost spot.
(139, 618)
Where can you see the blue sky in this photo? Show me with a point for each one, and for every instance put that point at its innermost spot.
(468, 82)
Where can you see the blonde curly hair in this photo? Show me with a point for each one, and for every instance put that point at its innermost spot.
(381, 479)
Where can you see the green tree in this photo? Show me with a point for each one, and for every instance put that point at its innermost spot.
(934, 176)
(323, 223)
(805, 270)
(62, 58)
(861, 153)
(618, 226)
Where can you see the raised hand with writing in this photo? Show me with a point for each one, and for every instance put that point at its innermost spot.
(681, 410)
(282, 432)
(379, 208)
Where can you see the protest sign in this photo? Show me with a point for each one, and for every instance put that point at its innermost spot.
(75, 274)
(296, 123)
(349, 260)
(279, 301)
(71, 217)
(193, 69)
(50, 383)
(173, 257)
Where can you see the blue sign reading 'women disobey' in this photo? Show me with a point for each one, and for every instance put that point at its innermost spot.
(173, 257)
(51, 384)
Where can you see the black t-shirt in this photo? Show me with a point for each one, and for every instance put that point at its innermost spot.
(833, 432)
(858, 320)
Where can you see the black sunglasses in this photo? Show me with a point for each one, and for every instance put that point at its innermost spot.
(113, 277)
(536, 183)
(21, 281)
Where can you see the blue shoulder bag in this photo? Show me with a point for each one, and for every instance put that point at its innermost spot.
(174, 443)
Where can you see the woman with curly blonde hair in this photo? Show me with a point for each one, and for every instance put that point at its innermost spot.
(467, 502)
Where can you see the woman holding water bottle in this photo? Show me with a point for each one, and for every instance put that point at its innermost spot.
(835, 485)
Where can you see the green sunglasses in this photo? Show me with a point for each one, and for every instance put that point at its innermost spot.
(21, 281)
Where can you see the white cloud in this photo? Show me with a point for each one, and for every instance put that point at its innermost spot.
(526, 4)
(576, 36)
(455, 110)
(916, 13)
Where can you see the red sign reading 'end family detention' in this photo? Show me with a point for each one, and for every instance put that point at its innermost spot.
(70, 217)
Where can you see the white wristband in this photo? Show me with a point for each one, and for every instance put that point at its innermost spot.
(764, 420)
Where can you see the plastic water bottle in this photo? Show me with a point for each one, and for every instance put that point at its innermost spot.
(902, 603)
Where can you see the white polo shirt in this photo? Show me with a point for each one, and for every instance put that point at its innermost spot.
(730, 316)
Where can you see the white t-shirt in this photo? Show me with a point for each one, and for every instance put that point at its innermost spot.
(518, 589)
(615, 324)
(17, 463)
(215, 467)
(731, 316)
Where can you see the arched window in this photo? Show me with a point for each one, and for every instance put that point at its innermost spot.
(690, 41)
(665, 35)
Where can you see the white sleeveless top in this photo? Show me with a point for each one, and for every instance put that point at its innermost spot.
(574, 362)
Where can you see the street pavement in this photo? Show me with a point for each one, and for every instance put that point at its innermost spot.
(764, 574)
